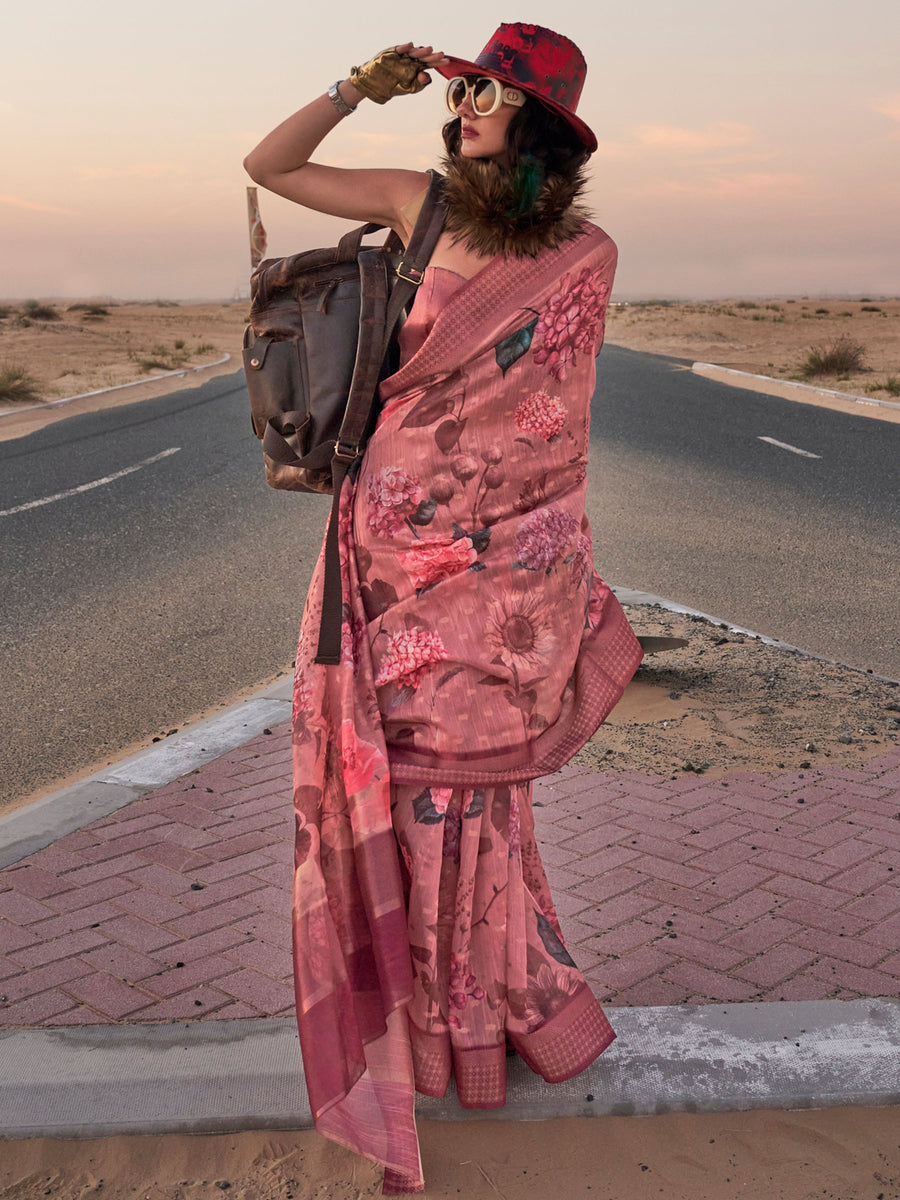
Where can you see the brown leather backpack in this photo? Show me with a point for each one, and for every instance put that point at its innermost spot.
(320, 339)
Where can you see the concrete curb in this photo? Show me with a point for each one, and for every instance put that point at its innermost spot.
(787, 389)
(29, 829)
(224, 1076)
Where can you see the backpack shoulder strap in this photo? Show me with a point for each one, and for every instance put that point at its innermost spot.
(378, 315)
(411, 268)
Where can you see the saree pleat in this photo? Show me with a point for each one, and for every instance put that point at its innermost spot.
(479, 650)
(489, 961)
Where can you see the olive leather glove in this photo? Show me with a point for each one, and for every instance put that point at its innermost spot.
(388, 74)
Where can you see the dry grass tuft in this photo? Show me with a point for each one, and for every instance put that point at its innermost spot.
(17, 386)
(843, 357)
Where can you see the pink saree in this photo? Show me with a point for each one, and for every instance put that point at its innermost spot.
(480, 650)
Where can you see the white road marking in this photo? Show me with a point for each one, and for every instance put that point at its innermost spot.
(793, 449)
(86, 487)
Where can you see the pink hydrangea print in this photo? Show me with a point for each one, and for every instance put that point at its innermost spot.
(431, 559)
(542, 414)
(391, 497)
(571, 321)
(544, 536)
(408, 656)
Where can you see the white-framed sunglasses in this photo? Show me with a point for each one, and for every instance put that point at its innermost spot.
(487, 94)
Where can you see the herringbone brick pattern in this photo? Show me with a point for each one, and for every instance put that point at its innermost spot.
(669, 891)
(750, 887)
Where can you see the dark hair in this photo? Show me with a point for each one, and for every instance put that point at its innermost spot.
(537, 132)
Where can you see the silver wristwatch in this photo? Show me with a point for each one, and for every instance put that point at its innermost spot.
(338, 100)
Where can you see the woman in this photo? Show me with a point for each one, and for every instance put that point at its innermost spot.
(480, 649)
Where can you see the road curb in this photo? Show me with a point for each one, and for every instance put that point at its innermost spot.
(225, 1076)
(787, 389)
(29, 829)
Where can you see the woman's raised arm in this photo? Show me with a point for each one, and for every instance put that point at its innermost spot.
(281, 160)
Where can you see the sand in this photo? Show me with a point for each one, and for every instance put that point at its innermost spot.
(730, 702)
(832, 1154)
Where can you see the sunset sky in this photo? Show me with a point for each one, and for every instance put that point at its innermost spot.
(745, 148)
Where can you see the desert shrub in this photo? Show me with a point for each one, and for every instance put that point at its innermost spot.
(840, 358)
(89, 310)
(36, 311)
(205, 348)
(161, 358)
(179, 343)
(746, 304)
(870, 308)
(892, 385)
(774, 307)
(5, 311)
(17, 386)
(166, 303)
(158, 358)
(822, 311)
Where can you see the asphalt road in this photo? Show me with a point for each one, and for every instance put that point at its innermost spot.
(150, 575)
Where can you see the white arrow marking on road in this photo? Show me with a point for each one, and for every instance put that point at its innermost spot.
(793, 449)
(86, 487)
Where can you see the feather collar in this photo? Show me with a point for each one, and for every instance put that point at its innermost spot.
(482, 202)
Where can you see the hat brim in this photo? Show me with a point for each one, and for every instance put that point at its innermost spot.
(461, 66)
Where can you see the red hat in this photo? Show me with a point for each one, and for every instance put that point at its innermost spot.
(542, 63)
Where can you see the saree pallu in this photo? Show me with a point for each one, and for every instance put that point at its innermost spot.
(480, 650)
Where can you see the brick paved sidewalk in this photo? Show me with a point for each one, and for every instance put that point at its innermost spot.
(755, 886)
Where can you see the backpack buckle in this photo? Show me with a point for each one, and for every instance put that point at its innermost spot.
(410, 273)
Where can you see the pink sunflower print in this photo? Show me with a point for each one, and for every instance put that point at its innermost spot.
(391, 497)
(544, 536)
(408, 656)
(571, 321)
(542, 414)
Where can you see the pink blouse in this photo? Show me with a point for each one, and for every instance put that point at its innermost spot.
(433, 293)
